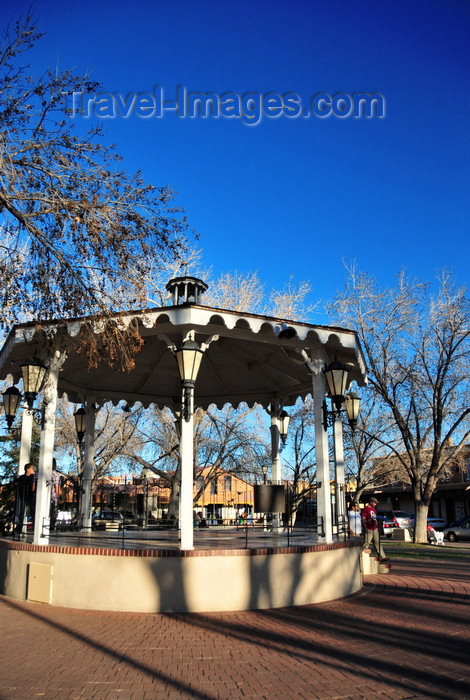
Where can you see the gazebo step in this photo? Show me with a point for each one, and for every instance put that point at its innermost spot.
(372, 565)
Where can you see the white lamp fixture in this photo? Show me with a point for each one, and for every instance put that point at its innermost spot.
(352, 405)
(33, 373)
(189, 356)
(336, 375)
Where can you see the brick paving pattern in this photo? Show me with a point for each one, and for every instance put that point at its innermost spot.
(406, 635)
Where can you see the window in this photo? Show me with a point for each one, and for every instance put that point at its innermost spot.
(466, 470)
(228, 483)
(214, 489)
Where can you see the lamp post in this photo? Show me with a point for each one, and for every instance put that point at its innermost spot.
(352, 405)
(336, 375)
(177, 423)
(11, 399)
(264, 469)
(188, 357)
(279, 426)
(284, 419)
(33, 374)
(145, 483)
(80, 427)
(80, 424)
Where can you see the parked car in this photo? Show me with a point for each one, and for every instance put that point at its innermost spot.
(459, 532)
(386, 525)
(108, 515)
(102, 517)
(130, 521)
(128, 515)
(399, 516)
(437, 523)
(456, 523)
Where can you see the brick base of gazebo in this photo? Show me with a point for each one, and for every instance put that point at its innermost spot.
(164, 580)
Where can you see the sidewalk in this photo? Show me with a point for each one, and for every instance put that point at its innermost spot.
(406, 635)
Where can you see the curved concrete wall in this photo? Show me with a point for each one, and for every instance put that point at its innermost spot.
(174, 581)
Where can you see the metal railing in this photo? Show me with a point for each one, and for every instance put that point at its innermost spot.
(228, 533)
(214, 533)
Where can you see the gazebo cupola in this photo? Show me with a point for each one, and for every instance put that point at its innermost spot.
(186, 290)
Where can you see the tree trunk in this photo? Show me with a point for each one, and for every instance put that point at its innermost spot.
(420, 535)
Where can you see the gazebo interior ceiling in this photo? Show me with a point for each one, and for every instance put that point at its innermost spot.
(246, 360)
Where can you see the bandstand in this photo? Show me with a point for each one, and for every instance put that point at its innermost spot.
(193, 356)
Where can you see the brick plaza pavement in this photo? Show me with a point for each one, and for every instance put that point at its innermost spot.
(406, 635)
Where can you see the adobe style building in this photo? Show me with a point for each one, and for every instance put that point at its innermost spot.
(224, 498)
(450, 501)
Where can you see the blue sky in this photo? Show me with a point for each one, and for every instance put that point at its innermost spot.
(292, 196)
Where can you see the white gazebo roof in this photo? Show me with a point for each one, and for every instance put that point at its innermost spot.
(248, 357)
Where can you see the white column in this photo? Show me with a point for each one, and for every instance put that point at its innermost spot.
(339, 470)
(321, 453)
(88, 466)
(26, 434)
(187, 471)
(276, 458)
(43, 486)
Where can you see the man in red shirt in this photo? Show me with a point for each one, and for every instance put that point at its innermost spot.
(371, 529)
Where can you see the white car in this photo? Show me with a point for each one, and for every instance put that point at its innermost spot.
(398, 516)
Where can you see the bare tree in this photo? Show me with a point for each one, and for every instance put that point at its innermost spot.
(367, 448)
(289, 302)
(225, 441)
(417, 347)
(299, 463)
(79, 235)
(160, 274)
(237, 291)
(230, 440)
(117, 437)
(246, 292)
